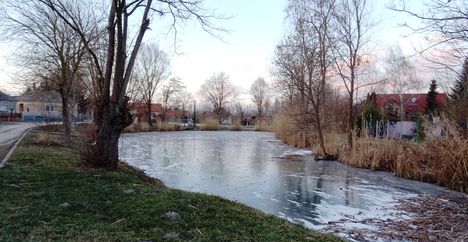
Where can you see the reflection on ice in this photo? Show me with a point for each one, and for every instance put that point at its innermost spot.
(258, 170)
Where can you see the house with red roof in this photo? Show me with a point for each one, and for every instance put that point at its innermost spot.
(412, 104)
(140, 111)
(398, 113)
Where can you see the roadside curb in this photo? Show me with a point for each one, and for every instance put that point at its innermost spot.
(8, 155)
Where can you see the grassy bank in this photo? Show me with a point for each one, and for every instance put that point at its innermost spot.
(46, 195)
(439, 160)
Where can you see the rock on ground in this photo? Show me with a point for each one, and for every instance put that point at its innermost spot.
(171, 235)
(172, 216)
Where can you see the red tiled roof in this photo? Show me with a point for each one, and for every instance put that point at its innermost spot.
(415, 102)
(177, 113)
(141, 107)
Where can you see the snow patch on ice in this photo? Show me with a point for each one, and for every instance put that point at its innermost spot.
(295, 153)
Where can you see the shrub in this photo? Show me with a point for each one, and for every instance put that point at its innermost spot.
(42, 138)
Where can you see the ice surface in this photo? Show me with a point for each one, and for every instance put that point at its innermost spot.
(248, 167)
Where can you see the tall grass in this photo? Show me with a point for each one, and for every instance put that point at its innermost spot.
(284, 128)
(439, 160)
(262, 125)
(236, 124)
(145, 127)
(209, 123)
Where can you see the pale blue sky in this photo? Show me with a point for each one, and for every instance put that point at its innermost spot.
(246, 52)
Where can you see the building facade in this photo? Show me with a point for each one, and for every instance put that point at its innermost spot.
(41, 106)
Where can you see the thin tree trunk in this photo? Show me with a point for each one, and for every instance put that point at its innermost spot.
(321, 138)
(320, 132)
(66, 117)
(148, 113)
(350, 120)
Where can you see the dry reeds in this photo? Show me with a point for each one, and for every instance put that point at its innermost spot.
(284, 128)
(441, 160)
(145, 127)
(236, 125)
(262, 125)
(209, 124)
(161, 126)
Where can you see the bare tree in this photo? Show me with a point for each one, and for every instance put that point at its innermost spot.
(51, 52)
(446, 24)
(112, 77)
(184, 97)
(169, 93)
(260, 92)
(304, 59)
(401, 76)
(151, 70)
(352, 21)
(219, 91)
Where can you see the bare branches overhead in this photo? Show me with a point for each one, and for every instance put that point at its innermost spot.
(445, 25)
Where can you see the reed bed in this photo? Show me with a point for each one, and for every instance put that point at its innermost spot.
(236, 125)
(262, 126)
(145, 127)
(440, 160)
(209, 124)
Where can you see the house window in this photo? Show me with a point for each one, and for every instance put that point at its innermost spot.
(27, 109)
(49, 108)
(21, 107)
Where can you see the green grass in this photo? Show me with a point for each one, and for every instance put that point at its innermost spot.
(3, 152)
(38, 179)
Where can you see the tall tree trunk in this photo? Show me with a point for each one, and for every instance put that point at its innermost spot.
(66, 117)
(114, 118)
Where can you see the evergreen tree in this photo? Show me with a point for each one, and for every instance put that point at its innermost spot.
(460, 90)
(458, 100)
(432, 106)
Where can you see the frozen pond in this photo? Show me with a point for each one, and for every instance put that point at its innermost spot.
(257, 169)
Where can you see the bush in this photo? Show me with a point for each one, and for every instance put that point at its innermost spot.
(42, 138)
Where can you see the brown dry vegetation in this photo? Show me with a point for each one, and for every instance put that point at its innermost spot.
(144, 127)
(236, 125)
(441, 160)
(262, 125)
(209, 123)
(431, 218)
